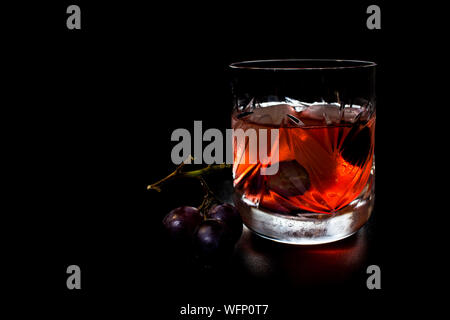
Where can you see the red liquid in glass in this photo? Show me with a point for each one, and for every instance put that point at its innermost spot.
(326, 162)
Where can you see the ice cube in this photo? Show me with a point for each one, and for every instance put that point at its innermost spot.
(352, 114)
(332, 113)
(276, 113)
(271, 113)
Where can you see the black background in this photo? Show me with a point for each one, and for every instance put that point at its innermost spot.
(89, 123)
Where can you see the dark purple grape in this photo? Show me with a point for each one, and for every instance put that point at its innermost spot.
(357, 145)
(292, 179)
(230, 216)
(213, 241)
(180, 223)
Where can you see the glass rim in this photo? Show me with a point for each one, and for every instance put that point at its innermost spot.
(296, 64)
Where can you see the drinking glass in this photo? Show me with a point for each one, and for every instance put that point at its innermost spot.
(303, 143)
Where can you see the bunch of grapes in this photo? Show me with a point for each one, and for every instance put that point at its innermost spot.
(212, 233)
(212, 229)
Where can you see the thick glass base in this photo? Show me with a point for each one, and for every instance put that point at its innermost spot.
(307, 228)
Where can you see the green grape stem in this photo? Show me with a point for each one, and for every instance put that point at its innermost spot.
(178, 173)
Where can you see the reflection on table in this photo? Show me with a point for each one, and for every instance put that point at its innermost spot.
(295, 265)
